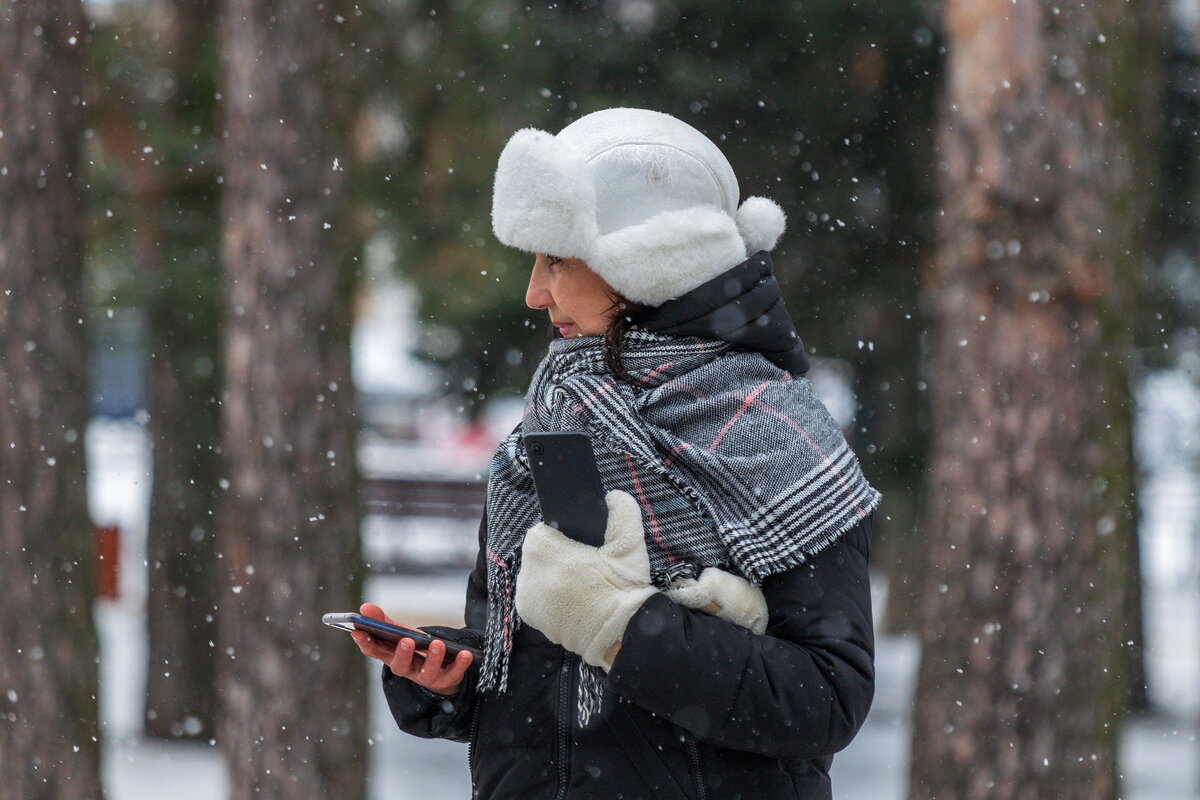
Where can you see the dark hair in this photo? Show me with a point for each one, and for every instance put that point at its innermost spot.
(628, 315)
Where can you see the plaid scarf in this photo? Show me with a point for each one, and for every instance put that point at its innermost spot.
(735, 463)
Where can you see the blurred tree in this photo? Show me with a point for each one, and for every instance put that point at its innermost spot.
(179, 248)
(1139, 81)
(1029, 503)
(49, 735)
(156, 166)
(1172, 321)
(288, 524)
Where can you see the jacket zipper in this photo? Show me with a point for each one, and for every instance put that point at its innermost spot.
(471, 742)
(694, 753)
(564, 721)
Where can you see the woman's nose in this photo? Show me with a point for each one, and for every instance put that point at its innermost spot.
(537, 295)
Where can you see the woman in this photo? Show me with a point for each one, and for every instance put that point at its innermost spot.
(719, 644)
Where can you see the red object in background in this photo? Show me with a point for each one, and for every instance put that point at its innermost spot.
(476, 436)
(106, 545)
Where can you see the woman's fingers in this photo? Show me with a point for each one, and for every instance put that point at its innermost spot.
(374, 612)
(372, 647)
(402, 659)
(452, 673)
(450, 676)
(431, 670)
(437, 670)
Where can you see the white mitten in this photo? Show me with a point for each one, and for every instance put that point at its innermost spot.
(725, 595)
(582, 597)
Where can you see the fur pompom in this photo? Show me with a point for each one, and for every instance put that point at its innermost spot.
(760, 222)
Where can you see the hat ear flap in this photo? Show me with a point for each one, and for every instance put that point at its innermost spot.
(761, 222)
(668, 254)
(543, 200)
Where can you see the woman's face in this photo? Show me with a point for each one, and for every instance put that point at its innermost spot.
(579, 301)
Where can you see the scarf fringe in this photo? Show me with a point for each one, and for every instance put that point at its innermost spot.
(590, 696)
(502, 624)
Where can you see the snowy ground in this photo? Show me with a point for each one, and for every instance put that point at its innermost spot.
(1159, 755)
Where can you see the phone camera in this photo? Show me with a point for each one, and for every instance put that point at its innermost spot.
(537, 448)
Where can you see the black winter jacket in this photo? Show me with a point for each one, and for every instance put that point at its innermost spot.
(728, 714)
(697, 707)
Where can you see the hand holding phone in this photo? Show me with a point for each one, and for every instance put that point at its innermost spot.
(429, 664)
(392, 633)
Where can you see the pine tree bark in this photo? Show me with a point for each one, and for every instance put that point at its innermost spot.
(49, 735)
(288, 524)
(1024, 613)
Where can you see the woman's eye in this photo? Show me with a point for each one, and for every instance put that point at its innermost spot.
(553, 260)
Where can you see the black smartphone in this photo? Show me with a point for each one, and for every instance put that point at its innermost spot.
(394, 633)
(568, 484)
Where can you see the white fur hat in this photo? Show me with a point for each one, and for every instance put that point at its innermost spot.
(648, 201)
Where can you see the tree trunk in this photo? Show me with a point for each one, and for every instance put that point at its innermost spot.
(49, 734)
(1139, 73)
(180, 548)
(288, 524)
(1024, 613)
(176, 245)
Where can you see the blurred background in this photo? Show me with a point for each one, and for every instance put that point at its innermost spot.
(258, 343)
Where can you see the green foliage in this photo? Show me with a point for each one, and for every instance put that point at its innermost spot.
(153, 199)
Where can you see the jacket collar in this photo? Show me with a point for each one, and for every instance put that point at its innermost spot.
(741, 306)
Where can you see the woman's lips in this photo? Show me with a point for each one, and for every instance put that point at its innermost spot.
(564, 329)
